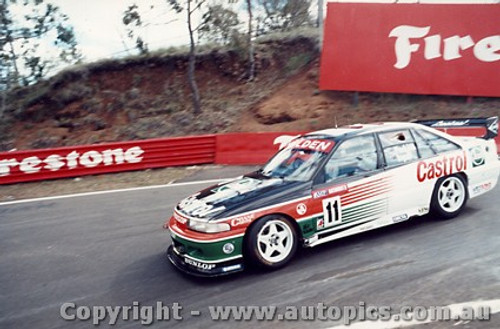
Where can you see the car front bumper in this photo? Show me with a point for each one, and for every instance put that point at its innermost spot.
(199, 268)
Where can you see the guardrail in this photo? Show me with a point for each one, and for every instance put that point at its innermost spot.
(229, 149)
(32, 165)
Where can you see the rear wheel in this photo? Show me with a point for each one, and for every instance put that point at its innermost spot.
(271, 242)
(449, 196)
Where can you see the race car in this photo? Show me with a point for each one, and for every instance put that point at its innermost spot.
(330, 184)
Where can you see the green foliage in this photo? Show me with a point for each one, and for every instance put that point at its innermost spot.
(71, 93)
(24, 41)
(219, 24)
(176, 5)
(283, 15)
(297, 62)
(132, 20)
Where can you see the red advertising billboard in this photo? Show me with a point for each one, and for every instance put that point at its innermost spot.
(451, 49)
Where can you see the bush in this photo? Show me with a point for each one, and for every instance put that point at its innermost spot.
(297, 62)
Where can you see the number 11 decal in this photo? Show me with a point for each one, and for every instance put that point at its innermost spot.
(332, 212)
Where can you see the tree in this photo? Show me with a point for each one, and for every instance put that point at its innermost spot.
(34, 35)
(249, 38)
(191, 6)
(283, 15)
(219, 24)
(132, 18)
(251, 58)
(296, 13)
(24, 41)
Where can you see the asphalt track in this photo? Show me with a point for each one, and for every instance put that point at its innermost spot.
(109, 249)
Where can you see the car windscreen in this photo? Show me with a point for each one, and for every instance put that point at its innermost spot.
(299, 160)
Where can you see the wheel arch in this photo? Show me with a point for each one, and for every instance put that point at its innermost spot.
(434, 208)
(461, 174)
(465, 177)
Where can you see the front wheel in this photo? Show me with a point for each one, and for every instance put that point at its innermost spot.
(449, 196)
(271, 242)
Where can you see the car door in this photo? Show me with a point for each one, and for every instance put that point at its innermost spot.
(351, 189)
(403, 150)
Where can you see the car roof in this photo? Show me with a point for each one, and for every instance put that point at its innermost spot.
(360, 129)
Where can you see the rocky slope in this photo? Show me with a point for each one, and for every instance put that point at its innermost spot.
(148, 97)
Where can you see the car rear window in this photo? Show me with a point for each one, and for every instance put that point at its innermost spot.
(437, 143)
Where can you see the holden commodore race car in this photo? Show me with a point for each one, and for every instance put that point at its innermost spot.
(330, 184)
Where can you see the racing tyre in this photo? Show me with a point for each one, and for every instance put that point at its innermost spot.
(449, 196)
(271, 243)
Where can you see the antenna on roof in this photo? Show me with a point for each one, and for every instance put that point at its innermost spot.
(335, 118)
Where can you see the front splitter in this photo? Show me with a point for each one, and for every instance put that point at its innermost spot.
(204, 269)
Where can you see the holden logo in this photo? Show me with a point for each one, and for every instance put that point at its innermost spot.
(301, 209)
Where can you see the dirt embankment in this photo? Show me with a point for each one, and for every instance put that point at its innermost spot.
(148, 97)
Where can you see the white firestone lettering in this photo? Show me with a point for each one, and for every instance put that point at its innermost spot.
(55, 162)
(403, 47)
(5, 166)
(133, 154)
(30, 165)
(72, 163)
(485, 50)
(109, 154)
(91, 159)
(432, 47)
(453, 45)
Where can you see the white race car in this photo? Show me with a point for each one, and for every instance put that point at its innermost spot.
(329, 184)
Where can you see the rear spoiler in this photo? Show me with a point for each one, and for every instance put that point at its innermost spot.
(491, 124)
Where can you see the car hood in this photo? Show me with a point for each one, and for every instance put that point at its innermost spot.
(242, 194)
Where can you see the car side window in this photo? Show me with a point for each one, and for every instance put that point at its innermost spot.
(398, 147)
(424, 147)
(437, 143)
(354, 156)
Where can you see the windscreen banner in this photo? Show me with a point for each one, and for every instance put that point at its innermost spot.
(450, 49)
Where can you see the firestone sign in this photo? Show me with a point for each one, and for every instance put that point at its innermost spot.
(72, 160)
(412, 48)
(485, 50)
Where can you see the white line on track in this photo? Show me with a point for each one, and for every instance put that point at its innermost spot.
(76, 195)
